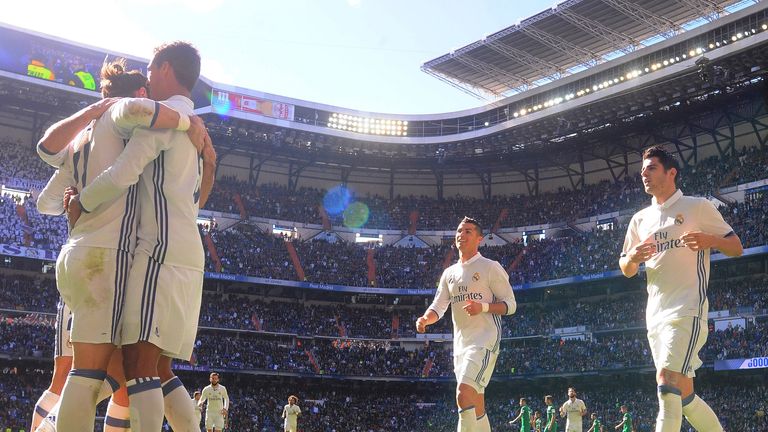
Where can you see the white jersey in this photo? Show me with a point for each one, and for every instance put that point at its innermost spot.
(198, 411)
(169, 172)
(291, 413)
(482, 280)
(677, 276)
(217, 399)
(113, 224)
(573, 410)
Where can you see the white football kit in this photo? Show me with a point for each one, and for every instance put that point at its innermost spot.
(218, 400)
(291, 414)
(573, 410)
(677, 310)
(164, 288)
(476, 338)
(63, 345)
(92, 267)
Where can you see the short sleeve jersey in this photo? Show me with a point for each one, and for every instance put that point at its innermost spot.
(482, 280)
(677, 276)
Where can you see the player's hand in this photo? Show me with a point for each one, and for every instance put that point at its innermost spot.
(68, 192)
(473, 308)
(74, 210)
(197, 133)
(698, 240)
(642, 252)
(421, 324)
(209, 153)
(97, 109)
(224, 412)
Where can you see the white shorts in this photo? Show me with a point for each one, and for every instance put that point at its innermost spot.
(290, 426)
(162, 306)
(474, 367)
(675, 344)
(214, 421)
(63, 345)
(572, 428)
(91, 282)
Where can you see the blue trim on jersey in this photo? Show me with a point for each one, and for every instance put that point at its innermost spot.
(122, 267)
(161, 209)
(154, 116)
(461, 410)
(41, 411)
(42, 148)
(58, 348)
(75, 160)
(148, 298)
(141, 385)
(702, 274)
(112, 383)
(95, 374)
(486, 360)
(668, 389)
(117, 423)
(695, 329)
(481, 417)
(86, 155)
(171, 385)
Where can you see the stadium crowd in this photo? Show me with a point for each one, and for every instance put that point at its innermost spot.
(403, 407)
(236, 311)
(33, 336)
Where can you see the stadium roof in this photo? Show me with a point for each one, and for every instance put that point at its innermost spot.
(567, 38)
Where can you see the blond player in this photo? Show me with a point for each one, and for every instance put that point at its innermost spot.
(673, 237)
(573, 410)
(291, 413)
(478, 291)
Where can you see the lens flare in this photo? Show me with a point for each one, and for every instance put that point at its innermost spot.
(356, 215)
(336, 200)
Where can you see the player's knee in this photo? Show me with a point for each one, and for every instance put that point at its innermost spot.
(466, 396)
(666, 377)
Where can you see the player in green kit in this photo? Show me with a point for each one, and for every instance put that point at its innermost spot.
(626, 421)
(537, 421)
(595, 423)
(551, 425)
(524, 416)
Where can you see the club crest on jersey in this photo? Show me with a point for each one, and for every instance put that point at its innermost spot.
(679, 219)
(476, 277)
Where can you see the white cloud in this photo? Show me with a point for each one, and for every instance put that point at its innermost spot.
(354, 3)
(213, 69)
(195, 6)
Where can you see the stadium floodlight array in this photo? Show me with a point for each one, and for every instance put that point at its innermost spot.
(366, 125)
(698, 51)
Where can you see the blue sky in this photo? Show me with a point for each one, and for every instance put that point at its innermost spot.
(359, 54)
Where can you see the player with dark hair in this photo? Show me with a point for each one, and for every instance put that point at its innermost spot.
(99, 248)
(164, 286)
(673, 237)
(478, 291)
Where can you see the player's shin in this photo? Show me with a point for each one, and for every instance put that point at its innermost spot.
(670, 409)
(700, 415)
(467, 420)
